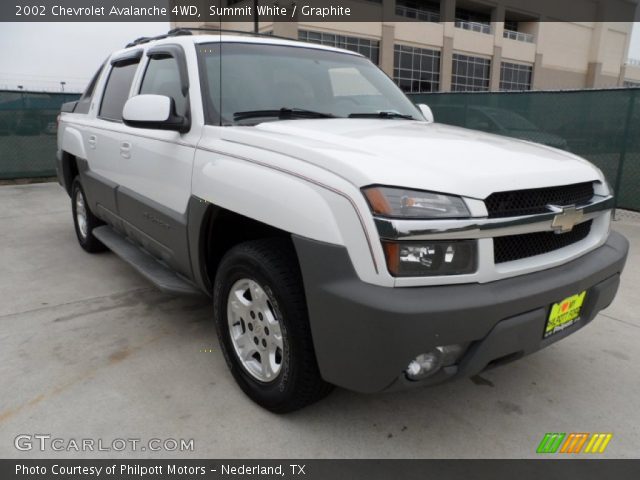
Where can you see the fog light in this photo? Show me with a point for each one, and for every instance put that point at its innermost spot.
(424, 365)
(427, 364)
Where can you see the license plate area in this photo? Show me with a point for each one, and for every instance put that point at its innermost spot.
(564, 314)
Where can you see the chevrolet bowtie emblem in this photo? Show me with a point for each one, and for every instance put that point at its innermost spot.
(566, 218)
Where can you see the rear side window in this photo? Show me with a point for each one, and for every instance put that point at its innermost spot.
(162, 77)
(85, 100)
(117, 90)
(88, 93)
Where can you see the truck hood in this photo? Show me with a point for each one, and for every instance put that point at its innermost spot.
(418, 155)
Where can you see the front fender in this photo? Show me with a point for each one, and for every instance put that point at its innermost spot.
(297, 203)
(266, 195)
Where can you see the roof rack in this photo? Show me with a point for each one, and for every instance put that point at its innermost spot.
(176, 32)
(171, 33)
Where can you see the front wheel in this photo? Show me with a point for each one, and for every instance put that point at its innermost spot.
(263, 328)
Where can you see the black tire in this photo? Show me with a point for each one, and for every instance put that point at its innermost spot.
(272, 264)
(87, 241)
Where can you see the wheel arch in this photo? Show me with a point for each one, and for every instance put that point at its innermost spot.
(301, 199)
(72, 142)
(69, 170)
(214, 230)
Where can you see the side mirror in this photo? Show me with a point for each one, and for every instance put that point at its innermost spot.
(153, 111)
(426, 112)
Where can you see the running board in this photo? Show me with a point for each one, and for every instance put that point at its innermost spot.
(160, 275)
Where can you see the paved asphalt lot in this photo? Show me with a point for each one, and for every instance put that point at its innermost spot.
(89, 349)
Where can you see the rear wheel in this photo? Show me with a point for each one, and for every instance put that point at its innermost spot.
(263, 328)
(84, 220)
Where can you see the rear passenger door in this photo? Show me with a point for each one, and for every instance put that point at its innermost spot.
(156, 165)
(108, 134)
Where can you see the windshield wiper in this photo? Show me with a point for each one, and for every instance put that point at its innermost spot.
(283, 114)
(382, 114)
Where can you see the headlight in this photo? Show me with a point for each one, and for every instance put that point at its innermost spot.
(442, 257)
(402, 203)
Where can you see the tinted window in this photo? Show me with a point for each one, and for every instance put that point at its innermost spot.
(162, 77)
(116, 92)
(92, 85)
(85, 100)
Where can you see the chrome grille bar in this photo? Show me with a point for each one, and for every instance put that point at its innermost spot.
(470, 228)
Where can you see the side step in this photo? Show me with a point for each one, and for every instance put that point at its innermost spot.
(161, 276)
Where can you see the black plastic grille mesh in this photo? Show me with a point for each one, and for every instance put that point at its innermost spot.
(534, 201)
(515, 247)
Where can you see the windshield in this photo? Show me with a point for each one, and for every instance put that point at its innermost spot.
(245, 84)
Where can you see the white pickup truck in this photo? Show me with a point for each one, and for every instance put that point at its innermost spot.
(345, 238)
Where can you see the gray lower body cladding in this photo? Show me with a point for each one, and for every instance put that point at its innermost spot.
(365, 335)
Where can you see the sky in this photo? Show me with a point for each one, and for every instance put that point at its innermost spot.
(41, 55)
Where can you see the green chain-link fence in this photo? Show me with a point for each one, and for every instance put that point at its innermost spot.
(602, 126)
(28, 133)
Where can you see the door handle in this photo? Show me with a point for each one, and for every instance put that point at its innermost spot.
(125, 150)
(93, 140)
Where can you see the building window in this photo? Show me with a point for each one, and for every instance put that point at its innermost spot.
(515, 76)
(416, 70)
(364, 46)
(631, 84)
(511, 25)
(470, 74)
(474, 21)
(420, 10)
(513, 31)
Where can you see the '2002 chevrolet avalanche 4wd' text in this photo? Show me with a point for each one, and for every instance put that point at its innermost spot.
(345, 238)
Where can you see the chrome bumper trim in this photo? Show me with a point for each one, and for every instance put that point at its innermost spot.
(470, 228)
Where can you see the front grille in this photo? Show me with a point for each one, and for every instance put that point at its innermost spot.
(515, 247)
(535, 200)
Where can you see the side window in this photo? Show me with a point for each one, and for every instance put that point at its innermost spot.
(116, 92)
(85, 100)
(162, 77)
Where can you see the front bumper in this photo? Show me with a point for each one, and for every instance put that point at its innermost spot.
(365, 335)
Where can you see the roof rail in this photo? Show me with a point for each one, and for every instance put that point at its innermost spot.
(189, 31)
(224, 30)
(171, 33)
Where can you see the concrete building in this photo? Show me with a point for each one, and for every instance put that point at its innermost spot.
(631, 73)
(487, 47)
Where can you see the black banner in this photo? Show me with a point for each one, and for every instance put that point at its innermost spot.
(320, 469)
(305, 10)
